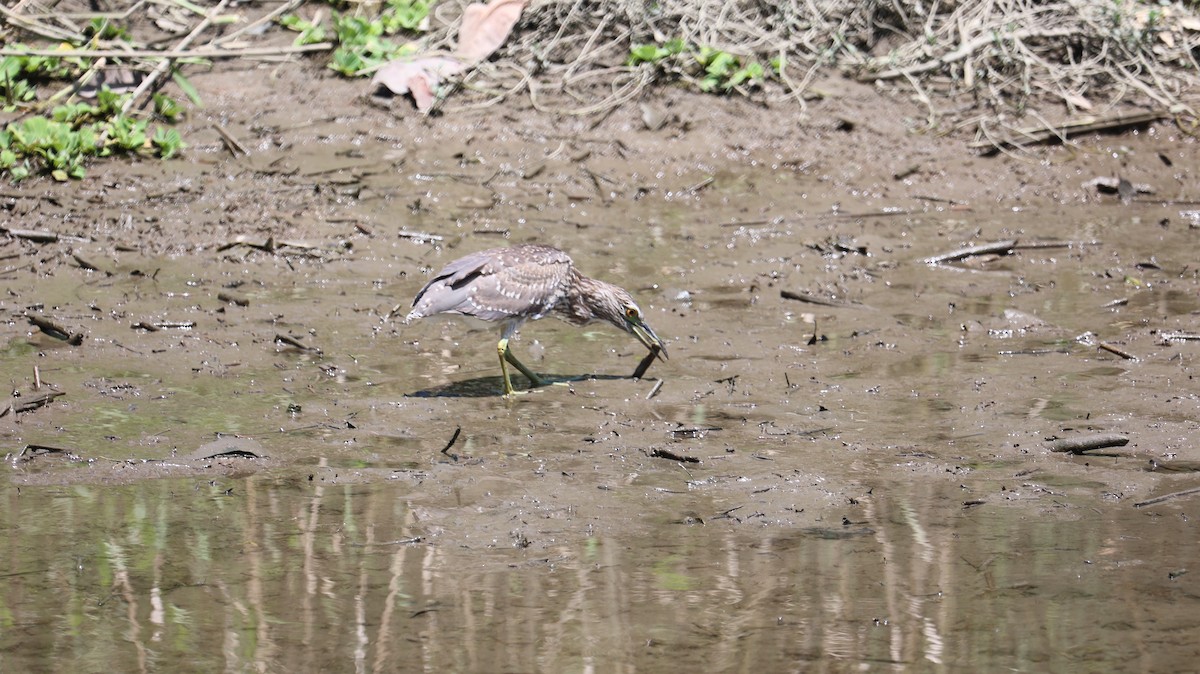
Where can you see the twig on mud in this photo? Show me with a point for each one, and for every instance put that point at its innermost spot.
(963, 52)
(296, 344)
(595, 179)
(41, 236)
(1167, 337)
(41, 450)
(285, 8)
(692, 433)
(30, 404)
(940, 200)
(997, 248)
(752, 223)
(1175, 466)
(15, 194)
(200, 53)
(655, 389)
(301, 248)
(163, 325)
(165, 65)
(453, 439)
(1087, 443)
(700, 185)
(230, 298)
(419, 236)
(1167, 497)
(87, 264)
(813, 299)
(55, 330)
(668, 454)
(35, 27)
(1042, 245)
(231, 143)
(401, 541)
(1105, 346)
(727, 514)
(1047, 133)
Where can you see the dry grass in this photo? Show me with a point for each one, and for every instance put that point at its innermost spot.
(984, 63)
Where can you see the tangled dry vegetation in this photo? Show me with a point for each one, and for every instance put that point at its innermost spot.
(982, 65)
(1006, 70)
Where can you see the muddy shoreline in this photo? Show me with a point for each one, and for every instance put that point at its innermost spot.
(238, 356)
(334, 220)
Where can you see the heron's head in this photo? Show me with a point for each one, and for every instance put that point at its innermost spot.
(619, 309)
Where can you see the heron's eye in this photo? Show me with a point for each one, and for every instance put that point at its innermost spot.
(631, 312)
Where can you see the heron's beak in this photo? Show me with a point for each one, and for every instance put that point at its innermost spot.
(646, 336)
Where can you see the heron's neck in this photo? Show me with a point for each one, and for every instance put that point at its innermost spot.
(585, 301)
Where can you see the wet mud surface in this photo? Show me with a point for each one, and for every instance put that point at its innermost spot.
(845, 460)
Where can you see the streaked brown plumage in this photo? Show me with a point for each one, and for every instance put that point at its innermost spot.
(525, 283)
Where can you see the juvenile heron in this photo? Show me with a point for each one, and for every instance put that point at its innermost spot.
(524, 283)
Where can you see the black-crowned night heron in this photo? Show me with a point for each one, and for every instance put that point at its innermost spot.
(525, 283)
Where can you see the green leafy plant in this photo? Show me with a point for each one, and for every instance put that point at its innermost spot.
(654, 53)
(128, 134)
(20, 75)
(166, 141)
(362, 46)
(725, 71)
(716, 70)
(362, 42)
(104, 29)
(57, 145)
(310, 33)
(405, 15)
(61, 143)
(166, 107)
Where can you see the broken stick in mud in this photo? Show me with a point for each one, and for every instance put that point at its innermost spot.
(55, 330)
(1167, 497)
(1087, 443)
(18, 406)
(996, 248)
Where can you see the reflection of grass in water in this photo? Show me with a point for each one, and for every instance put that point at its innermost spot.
(17, 348)
(669, 578)
(208, 407)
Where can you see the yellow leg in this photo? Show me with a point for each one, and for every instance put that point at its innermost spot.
(502, 347)
(506, 357)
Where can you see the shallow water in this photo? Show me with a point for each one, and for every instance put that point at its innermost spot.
(279, 574)
(879, 497)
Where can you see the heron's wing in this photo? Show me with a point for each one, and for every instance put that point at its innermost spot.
(522, 282)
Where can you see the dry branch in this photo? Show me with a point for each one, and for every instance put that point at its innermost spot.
(997, 248)
(165, 64)
(1046, 134)
(1167, 497)
(1087, 443)
(199, 53)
